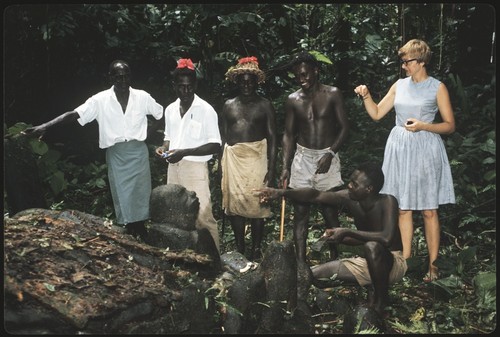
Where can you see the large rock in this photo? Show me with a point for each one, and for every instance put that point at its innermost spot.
(173, 204)
(174, 211)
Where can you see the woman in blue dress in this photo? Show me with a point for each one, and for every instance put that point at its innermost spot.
(416, 167)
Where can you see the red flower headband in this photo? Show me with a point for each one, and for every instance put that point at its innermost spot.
(185, 63)
(248, 59)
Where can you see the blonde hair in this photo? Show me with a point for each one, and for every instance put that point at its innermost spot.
(416, 48)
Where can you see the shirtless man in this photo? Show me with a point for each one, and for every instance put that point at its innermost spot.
(376, 219)
(316, 126)
(248, 134)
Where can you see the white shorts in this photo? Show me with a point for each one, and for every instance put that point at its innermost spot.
(304, 166)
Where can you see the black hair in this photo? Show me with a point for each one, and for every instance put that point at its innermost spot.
(113, 64)
(304, 57)
(373, 172)
(184, 72)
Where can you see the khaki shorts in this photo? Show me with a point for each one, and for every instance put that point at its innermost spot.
(359, 268)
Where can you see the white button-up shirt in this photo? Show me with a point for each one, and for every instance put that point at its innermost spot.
(114, 125)
(198, 126)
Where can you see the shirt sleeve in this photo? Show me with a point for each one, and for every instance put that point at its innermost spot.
(87, 111)
(166, 132)
(212, 131)
(154, 108)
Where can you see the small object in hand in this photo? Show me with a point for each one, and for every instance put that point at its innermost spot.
(165, 154)
(409, 122)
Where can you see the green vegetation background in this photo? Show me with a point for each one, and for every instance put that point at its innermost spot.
(57, 55)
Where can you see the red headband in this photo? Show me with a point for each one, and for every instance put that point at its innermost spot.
(248, 59)
(185, 63)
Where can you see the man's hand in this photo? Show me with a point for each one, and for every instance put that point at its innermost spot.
(266, 194)
(335, 235)
(160, 151)
(175, 156)
(35, 131)
(324, 163)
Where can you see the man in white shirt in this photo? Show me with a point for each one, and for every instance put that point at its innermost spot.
(121, 113)
(191, 138)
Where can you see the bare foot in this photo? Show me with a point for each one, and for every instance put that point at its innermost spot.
(431, 275)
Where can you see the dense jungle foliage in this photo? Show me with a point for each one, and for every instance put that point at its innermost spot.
(56, 56)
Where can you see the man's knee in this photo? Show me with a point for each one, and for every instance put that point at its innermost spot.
(374, 251)
(373, 248)
(378, 256)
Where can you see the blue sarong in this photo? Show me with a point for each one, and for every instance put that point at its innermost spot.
(130, 180)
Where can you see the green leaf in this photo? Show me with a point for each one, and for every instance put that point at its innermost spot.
(57, 182)
(100, 183)
(485, 281)
(467, 255)
(490, 175)
(320, 57)
(16, 128)
(49, 287)
(449, 284)
(38, 147)
(489, 160)
(489, 146)
(51, 156)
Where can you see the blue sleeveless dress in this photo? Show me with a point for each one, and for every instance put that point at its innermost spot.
(416, 167)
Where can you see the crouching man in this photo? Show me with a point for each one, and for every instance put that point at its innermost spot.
(376, 219)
